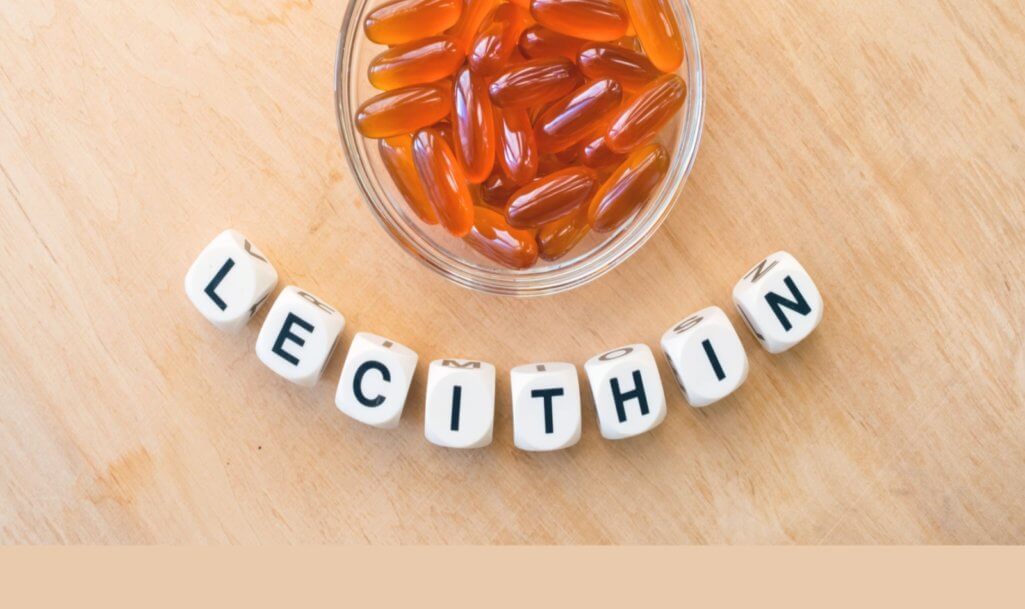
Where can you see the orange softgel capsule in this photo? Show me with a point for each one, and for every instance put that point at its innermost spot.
(641, 119)
(473, 126)
(658, 32)
(414, 63)
(492, 236)
(551, 197)
(587, 19)
(397, 156)
(496, 190)
(570, 119)
(628, 187)
(535, 82)
(538, 42)
(443, 181)
(629, 68)
(407, 20)
(517, 149)
(498, 37)
(403, 110)
(557, 238)
(474, 14)
(444, 129)
(594, 151)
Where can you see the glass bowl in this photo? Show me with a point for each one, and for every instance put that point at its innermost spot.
(449, 256)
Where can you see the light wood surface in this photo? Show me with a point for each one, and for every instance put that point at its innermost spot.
(880, 142)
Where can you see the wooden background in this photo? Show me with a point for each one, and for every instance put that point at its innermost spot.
(880, 142)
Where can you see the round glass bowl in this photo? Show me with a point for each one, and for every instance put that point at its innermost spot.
(449, 256)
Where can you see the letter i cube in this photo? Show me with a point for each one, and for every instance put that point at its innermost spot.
(460, 403)
(706, 356)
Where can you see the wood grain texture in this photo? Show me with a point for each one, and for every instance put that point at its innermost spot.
(879, 142)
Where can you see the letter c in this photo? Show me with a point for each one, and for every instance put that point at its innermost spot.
(357, 383)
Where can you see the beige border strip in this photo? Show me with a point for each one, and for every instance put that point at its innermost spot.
(520, 577)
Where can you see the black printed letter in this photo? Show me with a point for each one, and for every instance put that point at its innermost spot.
(357, 383)
(286, 334)
(636, 393)
(216, 281)
(547, 395)
(776, 302)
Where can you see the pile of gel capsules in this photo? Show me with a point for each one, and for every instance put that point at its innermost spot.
(521, 126)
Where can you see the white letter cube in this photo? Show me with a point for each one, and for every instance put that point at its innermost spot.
(779, 302)
(460, 403)
(627, 391)
(546, 406)
(229, 280)
(299, 336)
(706, 356)
(375, 380)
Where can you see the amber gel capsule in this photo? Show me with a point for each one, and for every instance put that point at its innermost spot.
(628, 187)
(414, 63)
(595, 152)
(641, 119)
(517, 148)
(474, 13)
(567, 156)
(538, 42)
(551, 197)
(570, 119)
(499, 35)
(534, 82)
(630, 42)
(627, 67)
(403, 110)
(407, 20)
(549, 164)
(444, 129)
(473, 126)
(557, 238)
(443, 181)
(497, 189)
(492, 236)
(660, 36)
(587, 19)
(397, 155)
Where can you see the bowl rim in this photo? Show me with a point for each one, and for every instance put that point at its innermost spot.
(537, 281)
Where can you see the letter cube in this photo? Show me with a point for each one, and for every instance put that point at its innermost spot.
(460, 403)
(627, 391)
(298, 336)
(375, 380)
(779, 302)
(546, 406)
(229, 281)
(706, 356)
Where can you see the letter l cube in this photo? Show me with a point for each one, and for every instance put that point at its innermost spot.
(229, 280)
